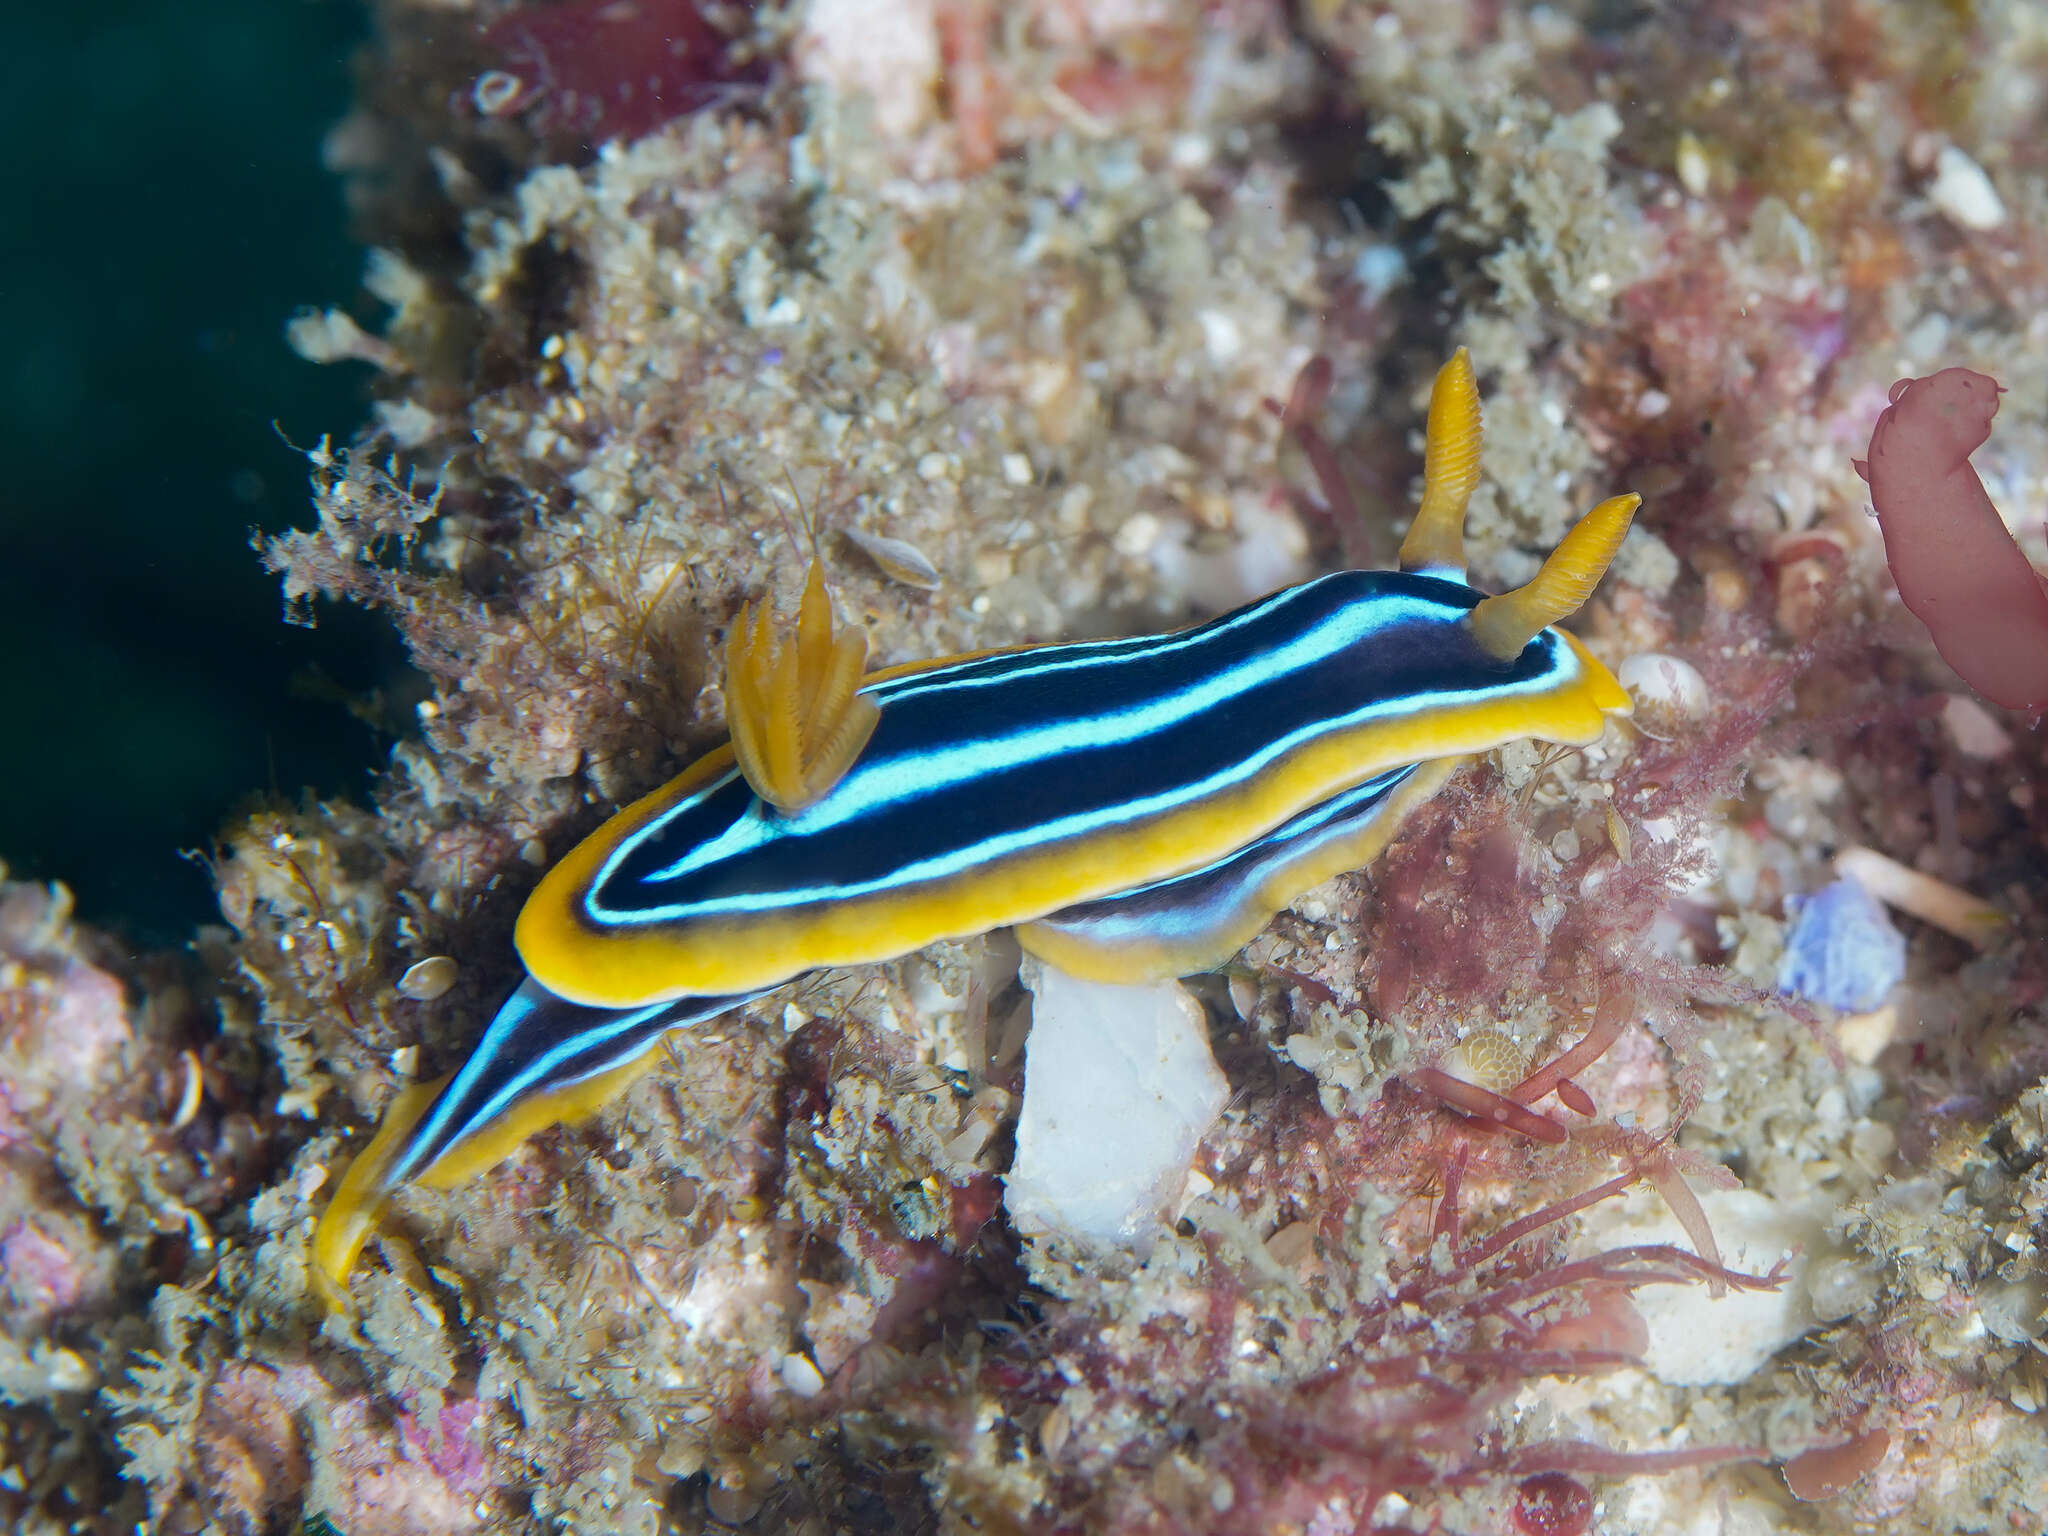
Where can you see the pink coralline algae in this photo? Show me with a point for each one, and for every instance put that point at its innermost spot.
(63, 1032)
(40, 1275)
(608, 69)
(257, 1457)
(66, 1025)
(455, 1454)
(1956, 563)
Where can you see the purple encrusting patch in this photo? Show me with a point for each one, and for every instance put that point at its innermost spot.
(40, 1275)
(1842, 949)
(603, 69)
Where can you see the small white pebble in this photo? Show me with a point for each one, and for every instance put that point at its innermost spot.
(1963, 193)
(1016, 469)
(1138, 534)
(1379, 269)
(1305, 1051)
(802, 1378)
(1220, 335)
(1311, 905)
(1973, 728)
(1840, 1287)
(1864, 1036)
(933, 466)
(1695, 170)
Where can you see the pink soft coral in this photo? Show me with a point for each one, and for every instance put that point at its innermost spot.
(1956, 564)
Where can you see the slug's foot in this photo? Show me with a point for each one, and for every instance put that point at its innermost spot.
(351, 1216)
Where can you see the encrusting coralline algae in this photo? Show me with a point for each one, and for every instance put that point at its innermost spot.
(999, 305)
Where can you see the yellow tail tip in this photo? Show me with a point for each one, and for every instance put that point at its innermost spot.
(351, 1216)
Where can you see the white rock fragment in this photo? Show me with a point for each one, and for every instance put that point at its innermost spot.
(1974, 729)
(1963, 193)
(800, 1377)
(1220, 335)
(1119, 1087)
(42, 1372)
(1696, 1340)
(888, 53)
(428, 979)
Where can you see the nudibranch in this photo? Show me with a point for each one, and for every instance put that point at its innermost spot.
(1136, 809)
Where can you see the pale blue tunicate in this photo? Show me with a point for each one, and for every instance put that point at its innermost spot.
(1842, 949)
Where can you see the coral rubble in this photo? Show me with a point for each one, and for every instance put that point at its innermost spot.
(996, 308)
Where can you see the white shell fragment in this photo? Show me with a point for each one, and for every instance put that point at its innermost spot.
(429, 979)
(1667, 690)
(896, 559)
(1119, 1087)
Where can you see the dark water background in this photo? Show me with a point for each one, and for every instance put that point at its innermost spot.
(166, 211)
